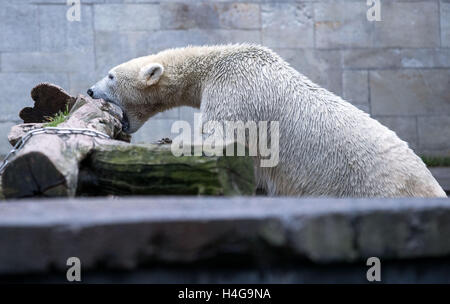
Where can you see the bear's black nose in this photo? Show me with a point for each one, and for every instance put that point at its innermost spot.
(90, 92)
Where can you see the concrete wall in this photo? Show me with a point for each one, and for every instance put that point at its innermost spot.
(335, 237)
(397, 69)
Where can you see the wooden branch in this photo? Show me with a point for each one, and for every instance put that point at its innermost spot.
(49, 99)
(154, 170)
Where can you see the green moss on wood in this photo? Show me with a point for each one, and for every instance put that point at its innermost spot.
(59, 118)
(154, 170)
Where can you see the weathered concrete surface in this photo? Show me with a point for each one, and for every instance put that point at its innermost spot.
(38, 236)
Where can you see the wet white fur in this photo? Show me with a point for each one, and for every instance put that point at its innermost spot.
(328, 147)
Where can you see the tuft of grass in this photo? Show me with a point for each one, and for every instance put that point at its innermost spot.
(59, 117)
(436, 161)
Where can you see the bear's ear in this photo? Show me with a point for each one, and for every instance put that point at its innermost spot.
(151, 73)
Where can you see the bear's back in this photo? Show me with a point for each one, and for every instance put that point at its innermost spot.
(327, 146)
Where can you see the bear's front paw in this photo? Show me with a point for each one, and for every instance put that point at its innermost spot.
(164, 140)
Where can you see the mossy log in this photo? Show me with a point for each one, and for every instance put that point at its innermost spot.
(154, 170)
(66, 165)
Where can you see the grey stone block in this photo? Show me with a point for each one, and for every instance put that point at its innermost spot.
(445, 24)
(80, 35)
(5, 146)
(371, 58)
(53, 28)
(57, 34)
(160, 40)
(60, 2)
(425, 58)
(19, 26)
(363, 107)
(395, 58)
(410, 92)
(80, 82)
(442, 175)
(126, 232)
(126, 17)
(356, 87)
(16, 87)
(48, 62)
(434, 133)
(321, 66)
(113, 48)
(287, 25)
(408, 24)
(405, 127)
(209, 15)
(342, 24)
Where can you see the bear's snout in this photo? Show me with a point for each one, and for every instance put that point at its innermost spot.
(90, 93)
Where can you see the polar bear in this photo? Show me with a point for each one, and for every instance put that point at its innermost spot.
(327, 147)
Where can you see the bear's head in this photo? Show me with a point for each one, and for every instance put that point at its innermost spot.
(136, 87)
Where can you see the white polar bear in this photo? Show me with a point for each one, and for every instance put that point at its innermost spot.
(327, 146)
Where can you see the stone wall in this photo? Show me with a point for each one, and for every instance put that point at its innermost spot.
(397, 69)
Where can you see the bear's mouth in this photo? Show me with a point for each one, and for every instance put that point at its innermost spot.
(125, 122)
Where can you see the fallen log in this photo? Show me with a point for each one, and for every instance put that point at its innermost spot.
(154, 170)
(19, 131)
(81, 164)
(47, 165)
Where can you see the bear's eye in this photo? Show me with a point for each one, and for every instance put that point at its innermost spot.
(111, 76)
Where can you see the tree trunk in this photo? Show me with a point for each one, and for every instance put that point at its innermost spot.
(68, 165)
(154, 170)
(48, 164)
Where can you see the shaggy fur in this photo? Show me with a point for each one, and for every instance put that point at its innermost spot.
(328, 147)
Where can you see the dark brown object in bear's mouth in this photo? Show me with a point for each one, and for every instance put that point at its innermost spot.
(49, 99)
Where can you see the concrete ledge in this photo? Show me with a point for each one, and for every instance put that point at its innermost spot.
(39, 236)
